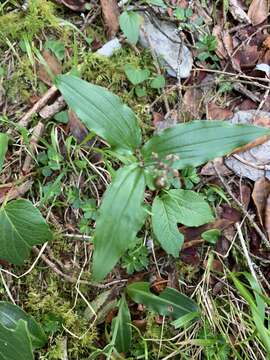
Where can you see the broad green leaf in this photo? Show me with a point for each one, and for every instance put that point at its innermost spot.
(158, 82)
(119, 220)
(3, 148)
(121, 327)
(21, 227)
(15, 343)
(190, 208)
(130, 25)
(102, 112)
(169, 303)
(10, 315)
(136, 76)
(200, 141)
(165, 227)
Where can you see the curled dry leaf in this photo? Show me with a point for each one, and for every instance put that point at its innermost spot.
(260, 194)
(111, 14)
(251, 161)
(258, 11)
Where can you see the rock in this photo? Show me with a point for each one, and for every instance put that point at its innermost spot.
(166, 45)
(109, 48)
(255, 161)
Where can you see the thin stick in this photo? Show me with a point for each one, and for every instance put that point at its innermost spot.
(245, 250)
(38, 106)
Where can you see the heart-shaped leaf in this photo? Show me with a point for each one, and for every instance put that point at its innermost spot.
(3, 148)
(121, 216)
(190, 208)
(165, 227)
(102, 112)
(21, 227)
(130, 25)
(136, 76)
(15, 343)
(11, 314)
(169, 303)
(200, 141)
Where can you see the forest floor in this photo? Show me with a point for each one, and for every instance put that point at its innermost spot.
(64, 170)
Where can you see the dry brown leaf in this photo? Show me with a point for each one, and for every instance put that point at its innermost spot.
(258, 11)
(111, 14)
(224, 42)
(192, 103)
(260, 194)
(76, 127)
(266, 42)
(218, 163)
(13, 192)
(248, 57)
(53, 64)
(267, 216)
(216, 112)
(237, 12)
(75, 5)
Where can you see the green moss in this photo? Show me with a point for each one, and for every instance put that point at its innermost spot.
(40, 14)
(109, 73)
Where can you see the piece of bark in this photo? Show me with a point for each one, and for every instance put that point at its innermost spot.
(50, 110)
(110, 12)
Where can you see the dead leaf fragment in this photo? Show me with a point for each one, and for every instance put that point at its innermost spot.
(13, 192)
(54, 65)
(192, 103)
(218, 163)
(224, 42)
(267, 217)
(258, 11)
(216, 112)
(111, 14)
(75, 5)
(260, 194)
(76, 127)
(237, 12)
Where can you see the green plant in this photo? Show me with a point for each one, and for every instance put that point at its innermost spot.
(122, 212)
(136, 258)
(138, 76)
(207, 46)
(19, 333)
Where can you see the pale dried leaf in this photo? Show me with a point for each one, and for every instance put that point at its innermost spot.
(267, 216)
(237, 12)
(258, 11)
(13, 192)
(260, 194)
